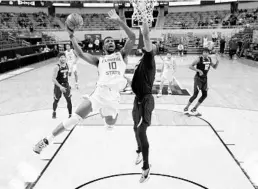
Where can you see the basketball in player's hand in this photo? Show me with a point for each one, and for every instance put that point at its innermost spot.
(74, 21)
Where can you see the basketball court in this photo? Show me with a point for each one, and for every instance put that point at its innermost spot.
(214, 151)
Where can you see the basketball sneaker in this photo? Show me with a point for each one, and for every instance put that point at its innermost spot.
(170, 92)
(54, 115)
(145, 175)
(138, 158)
(76, 86)
(194, 112)
(159, 94)
(40, 146)
(185, 110)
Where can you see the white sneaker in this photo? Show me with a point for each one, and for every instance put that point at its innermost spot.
(145, 175)
(76, 86)
(40, 146)
(194, 112)
(138, 158)
(159, 94)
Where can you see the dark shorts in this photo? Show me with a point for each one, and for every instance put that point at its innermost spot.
(142, 109)
(200, 83)
(58, 92)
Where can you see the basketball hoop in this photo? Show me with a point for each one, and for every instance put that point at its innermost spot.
(143, 10)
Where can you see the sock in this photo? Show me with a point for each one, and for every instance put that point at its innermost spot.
(50, 138)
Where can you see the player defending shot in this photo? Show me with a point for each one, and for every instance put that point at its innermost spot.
(72, 59)
(105, 98)
(167, 73)
(202, 67)
(142, 83)
(61, 84)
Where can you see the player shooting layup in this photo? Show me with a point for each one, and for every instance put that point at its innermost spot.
(105, 98)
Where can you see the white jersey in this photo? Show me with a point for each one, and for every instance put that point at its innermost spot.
(111, 71)
(70, 56)
(169, 65)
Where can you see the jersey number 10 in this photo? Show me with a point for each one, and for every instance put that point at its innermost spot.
(112, 65)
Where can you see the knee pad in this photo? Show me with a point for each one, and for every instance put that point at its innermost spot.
(71, 122)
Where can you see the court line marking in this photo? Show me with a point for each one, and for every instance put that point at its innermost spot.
(14, 73)
(232, 155)
(31, 186)
(130, 125)
(209, 124)
(49, 61)
(128, 174)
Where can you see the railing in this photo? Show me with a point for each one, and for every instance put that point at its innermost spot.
(25, 43)
(154, 28)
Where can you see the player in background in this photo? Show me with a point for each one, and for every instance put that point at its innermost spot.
(72, 59)
(61, 84)
(167, 73)
(201, 66)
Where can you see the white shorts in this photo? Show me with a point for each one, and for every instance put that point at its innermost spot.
(72, 67)
(103, 97)
(167, 76)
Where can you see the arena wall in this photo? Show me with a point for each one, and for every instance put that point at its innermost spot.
(118, 34)
(67, 10)
(60, 10)
(20, 9)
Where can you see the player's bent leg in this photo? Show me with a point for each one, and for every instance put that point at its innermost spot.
(148, 107)
(200, 101)
(55, 103)
(68, 96)
(137, 118)
(57, 96)
(82, 111)
(76, 79)
(161, 86)
(194, 96)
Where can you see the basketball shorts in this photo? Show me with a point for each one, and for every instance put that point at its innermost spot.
(142, 110)
(104, 97)
(167, 76)
(72, 67)
(200, 83)
(58, 93)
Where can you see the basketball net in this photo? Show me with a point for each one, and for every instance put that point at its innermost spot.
(143, 10)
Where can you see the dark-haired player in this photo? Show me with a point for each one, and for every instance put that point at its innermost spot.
(106, 96)
(142, 83)
(201, 66)
(61, 84)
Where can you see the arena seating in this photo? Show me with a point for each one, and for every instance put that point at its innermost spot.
(194, 19)
(94, 22)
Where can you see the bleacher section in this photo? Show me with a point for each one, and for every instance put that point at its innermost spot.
(194, 20)
(94, 22)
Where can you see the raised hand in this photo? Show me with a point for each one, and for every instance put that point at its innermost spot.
(113, 16)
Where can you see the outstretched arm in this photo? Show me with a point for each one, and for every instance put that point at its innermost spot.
(131, 35)
(85, 56)
(146, 36)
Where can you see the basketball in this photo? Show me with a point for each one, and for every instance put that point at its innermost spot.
(74, 21)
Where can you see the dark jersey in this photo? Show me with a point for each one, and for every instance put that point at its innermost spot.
(203, 65)
(144, 75)
(62, 74)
